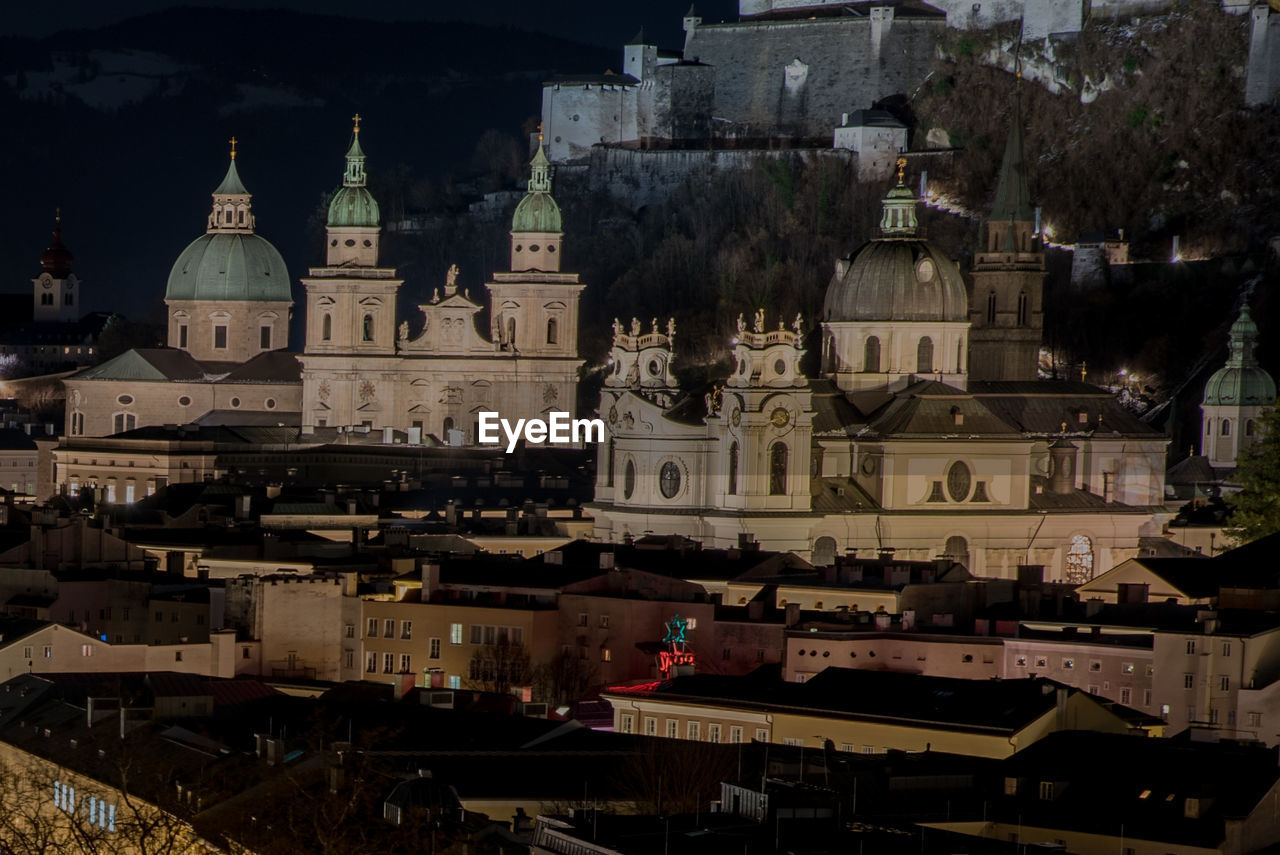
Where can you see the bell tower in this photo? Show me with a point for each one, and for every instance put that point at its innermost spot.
(1006, 310)
(56, 291)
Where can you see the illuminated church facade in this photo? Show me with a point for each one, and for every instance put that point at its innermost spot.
(926, 431)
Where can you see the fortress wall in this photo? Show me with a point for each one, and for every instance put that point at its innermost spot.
(797, 77)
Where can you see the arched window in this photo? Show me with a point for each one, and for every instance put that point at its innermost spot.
(1079, 560)
(448, 426)
(871, 358)
(733, 469)
(824, 551)
(366, 328)
(991, 307)
(553, 331)
(1022, 308)
(778, 469)
(326, 328)
(924, 356)
(511, 332)
(1226, 427)
(612, 454)
(1248, 428)
(629, 479)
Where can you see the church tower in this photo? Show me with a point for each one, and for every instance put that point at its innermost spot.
(229, 295)
(1006, 312)
(1235, 396)
(534, 310)
(351, 309)
(56, 291)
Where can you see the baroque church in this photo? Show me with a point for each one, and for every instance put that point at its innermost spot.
(926, 431)
(229, 303)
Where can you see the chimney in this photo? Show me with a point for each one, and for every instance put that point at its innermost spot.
(451, 513)
(405, 681)
(388, 435)
(430, 579)
(351, 506)
(1062, 467)
(242, 507)
(793, 614)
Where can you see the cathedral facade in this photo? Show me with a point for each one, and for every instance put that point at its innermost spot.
(926, 433)
(434, 375)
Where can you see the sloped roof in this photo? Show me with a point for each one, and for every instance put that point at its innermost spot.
(146, 363)
(273, 366)
(1043, 406)
(930, 408)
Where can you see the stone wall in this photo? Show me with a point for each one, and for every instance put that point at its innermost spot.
(796, 77)
(644, 177)
(1263, 80)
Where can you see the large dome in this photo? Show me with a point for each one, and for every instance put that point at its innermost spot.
(896, 279)
(1240, 386)
(353, 206)
(229, 266)
(537, 212)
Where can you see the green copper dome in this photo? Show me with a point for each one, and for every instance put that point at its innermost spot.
(1241, 382)
(229, 266)
(538, 211)
(353, 204)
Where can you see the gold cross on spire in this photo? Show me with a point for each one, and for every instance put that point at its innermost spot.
(57, 215)
(356, 119)
(902, 165)
(233, 147)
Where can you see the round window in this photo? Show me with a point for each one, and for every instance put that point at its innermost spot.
(958, 481)
(235, 402)
(655, 368)
(551, 247)
(629, 479)
(534, 247)
(271, 403)
(368, 242)
(125, 400)
(779, 367)
(333, 242)
(350, 242)
(184, 401)
(669, 479)
(519, 248)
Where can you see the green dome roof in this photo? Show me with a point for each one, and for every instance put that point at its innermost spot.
(537, 212)
(1241, 382)
(353, 206)
(229, 266)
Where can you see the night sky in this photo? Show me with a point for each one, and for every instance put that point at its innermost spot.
(603, 23)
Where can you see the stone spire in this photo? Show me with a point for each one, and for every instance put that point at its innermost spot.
(1013, 191)
(899, 217)
(56, 260)
(232, 203)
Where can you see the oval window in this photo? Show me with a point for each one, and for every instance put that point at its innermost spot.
(534, 247)
(350, 242)
(184, 401)
(368, 243)
(958, 481)
(333, 242)
(669, 479)
(655, 368)
(519, 248)
(125, 400)
(235, 402)
(629, 480)
(779, 367)
(271, 403)
(551, 247)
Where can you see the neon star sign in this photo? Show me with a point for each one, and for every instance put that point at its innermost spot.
(676, 654)
(675, 630)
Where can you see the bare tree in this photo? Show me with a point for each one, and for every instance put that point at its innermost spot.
(564, 679)
(500, 667)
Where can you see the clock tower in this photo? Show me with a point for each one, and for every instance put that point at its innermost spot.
(56, 291)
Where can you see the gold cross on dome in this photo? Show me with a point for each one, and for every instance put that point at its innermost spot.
(356, 119)
(233, 147)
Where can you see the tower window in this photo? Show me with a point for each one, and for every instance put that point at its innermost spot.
(1079, 560)
(1226, 427)
(366, 328)
(326, 328)
(182, 335)
(46, 299)
(511, 333)
(924, 356)
(264, 337)
(220, 337)
(69, 299)
(1022, 308)
(240, 218)
(612, 456)
(553, 331)
(1248, 428)
(991, 307)
(733, 469)
(778, 469)
(871, 356)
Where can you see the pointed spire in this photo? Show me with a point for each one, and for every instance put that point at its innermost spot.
(1243, 340)
(231, 184)
(232, 203)
(56, 260)
(638, 38)
(899, 217)
(354, 176)
(1013, 193)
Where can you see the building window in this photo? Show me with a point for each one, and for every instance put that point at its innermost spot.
(693, 731)
(433, 651)
(1046, 791)
(371, 662)
(406, 664)
(1255, 719)
(871, 355)
(606, 655)
(733, 469)
(1079, 560)
(626, 723)
(1068, 664)
(1191, 647)
(959, 480)
(182, 335)
(673, 729)
(373, 628)
(1188, 681)
(778, 469)
(122, 422)
(348, 659)
(553, 331)
(455, 681)
(1022, 308)
(1248, 428)
(924, 356)
(220, 337)
(1226, 648)
(991, 307)
(406, 629)
(604, 621)
(1126, 695)
(713, 733)
(77, 426)
(264, 337)
(735, 733)
(650, 726)
(629, 479)
(1224, 684)
(762, 734)
(455, 633)
(389, 628)
(1226, 427)
(366, 328)
(326, 328)
(388, 663)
